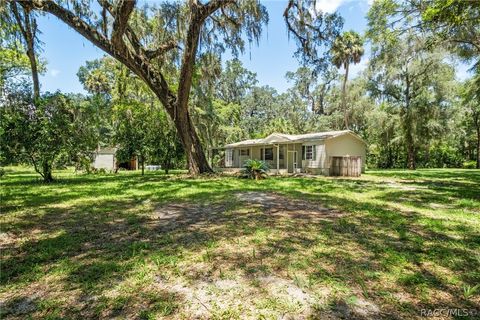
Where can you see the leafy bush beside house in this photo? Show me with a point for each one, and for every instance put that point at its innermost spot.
(255, 169)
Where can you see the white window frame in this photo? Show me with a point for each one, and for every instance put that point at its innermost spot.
(310, 155)
(263, 154)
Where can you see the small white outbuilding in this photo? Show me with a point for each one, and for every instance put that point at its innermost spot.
(104, 158)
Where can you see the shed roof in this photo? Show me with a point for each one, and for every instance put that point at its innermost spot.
(275, 138)
(106, 150)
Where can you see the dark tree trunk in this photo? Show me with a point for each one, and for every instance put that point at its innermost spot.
(166, 166)
(344, 97)
(143, 164)
(321, 108)
(33, 64)
(389, 157)
(427, 155)
(408, 126)
(409, 141)
(28, 27)
(47, 172)
(197, 162)
(411, 157)
(313, 104)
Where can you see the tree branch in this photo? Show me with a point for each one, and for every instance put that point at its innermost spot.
(133, 39)
(151, 54)
(28, 27)
(122, 13)
(199, 14)
(286, 14)
(212, 6)
(16, 14)
(230, 19)
(74, 22)
(133, 60)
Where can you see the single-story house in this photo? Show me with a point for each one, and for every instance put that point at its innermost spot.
(338, 153)
(104, 158)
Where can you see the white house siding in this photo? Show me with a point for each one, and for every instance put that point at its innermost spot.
(317, 166)
(104, 161)
(343, 146)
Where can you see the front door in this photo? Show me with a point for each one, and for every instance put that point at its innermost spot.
(292, 161)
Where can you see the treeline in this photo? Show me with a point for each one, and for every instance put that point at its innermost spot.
(231, 106)
(57, 130)
(175, 103)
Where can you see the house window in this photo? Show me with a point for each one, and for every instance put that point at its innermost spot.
(245, 152)
(280, 153)
(267, 153)
(309, 153)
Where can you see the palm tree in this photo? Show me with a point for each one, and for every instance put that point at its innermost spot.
(347, 48)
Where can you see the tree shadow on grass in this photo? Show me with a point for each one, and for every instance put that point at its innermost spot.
(94, 247)
(450, 174)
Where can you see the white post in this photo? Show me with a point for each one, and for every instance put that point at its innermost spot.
(286, 154)
(278, 159)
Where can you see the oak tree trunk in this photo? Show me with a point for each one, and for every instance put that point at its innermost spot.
(197, 162)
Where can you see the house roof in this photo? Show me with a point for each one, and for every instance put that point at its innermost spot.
(275, 138)
(106, 150)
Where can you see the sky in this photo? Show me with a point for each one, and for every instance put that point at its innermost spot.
(65, 50)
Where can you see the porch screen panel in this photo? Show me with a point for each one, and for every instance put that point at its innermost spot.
(228, 158)
(268, 154)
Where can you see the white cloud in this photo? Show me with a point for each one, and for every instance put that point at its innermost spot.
(54, 72)
(330, 6)
(463, 71)
(356, 69)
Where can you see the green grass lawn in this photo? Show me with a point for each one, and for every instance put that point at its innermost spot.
(385, 245)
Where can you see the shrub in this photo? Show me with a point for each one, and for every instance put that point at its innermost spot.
(469, 165)
(84, 164)
(255, 169)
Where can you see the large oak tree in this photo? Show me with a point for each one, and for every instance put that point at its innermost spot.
(160, 44)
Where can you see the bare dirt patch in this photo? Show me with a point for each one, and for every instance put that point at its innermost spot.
(270, 204)
(278, 204)
(254, 289)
